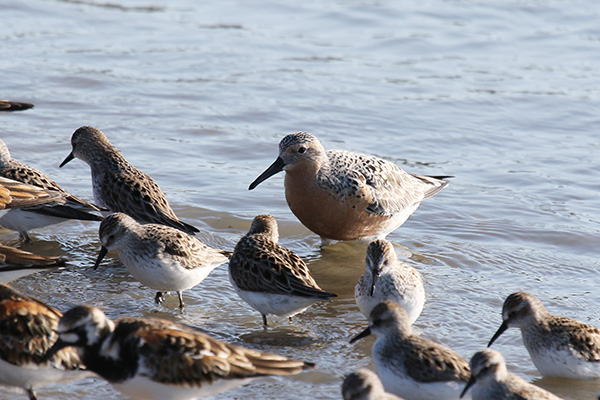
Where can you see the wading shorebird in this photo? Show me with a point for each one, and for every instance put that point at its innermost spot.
(25, 220)
(409, 365)
(341, 195)
(559, 346)
(269, 277)
(387, 278)
(364, 384)
(152, 358)
(118, 185)
(491, 380)
(162, 258)
(8, 105)
(27, 332)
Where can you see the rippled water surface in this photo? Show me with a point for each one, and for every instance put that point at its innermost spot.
(504, 95)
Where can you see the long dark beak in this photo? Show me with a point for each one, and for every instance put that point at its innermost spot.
(361, 335)
(103, 252)
(276, 167)
(469, 384)
(66, 160)
(499, 332)
(58, 345)
(374, 277)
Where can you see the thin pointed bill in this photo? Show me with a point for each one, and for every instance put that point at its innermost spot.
(58, 346)
(102, 254)
(499, 332)
(276, 167)
(66, 160)
(361, 335)
(468, 386)
(374, 282)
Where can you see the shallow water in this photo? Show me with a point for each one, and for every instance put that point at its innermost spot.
(503, 95)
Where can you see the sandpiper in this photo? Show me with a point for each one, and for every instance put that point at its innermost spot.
(27, 331)
(15, 263)
(160, 257)
(558, 346)
(409, 365)
(8, 105)
(364, 384)
(341, 195)
(24, 220)
(269, 277)
(490, 380)
(118, 185)
(151, 358)
(386, 278)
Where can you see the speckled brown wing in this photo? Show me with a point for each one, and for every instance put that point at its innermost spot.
(31, 176)
(15, 194)
(190, 252)
(258, 264)
(179, 355)
(379, 186)
(13, 256)
(427, 361)
(138, 195)
(583, 339)
(7, 105)
(28, 330)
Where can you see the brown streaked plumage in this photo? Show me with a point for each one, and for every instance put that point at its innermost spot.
(559, 346)
(8, 105)
(341, 195)
(490, 380)
(409, 365)
(28, 331)
(118, 185)
(153, 358)
(15, 263)
(269, 277)
(14, 195)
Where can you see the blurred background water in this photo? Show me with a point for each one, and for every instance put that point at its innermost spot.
(504, 95)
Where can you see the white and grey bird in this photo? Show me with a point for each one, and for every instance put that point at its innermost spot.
(490, 380)
(24, 220)
(16, 263)
(387, 278)
(341, 195)
(27, 332)
(411, 366)
(160, 257)
(151, 358)
(269, 277)
(118, 185)
(364, 384)
(558, 346)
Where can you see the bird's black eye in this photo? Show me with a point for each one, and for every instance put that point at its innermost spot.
(301, 150)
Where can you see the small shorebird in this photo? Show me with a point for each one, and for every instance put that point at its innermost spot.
(24, 220)
(491, 381)
(558, 346)
(341, 195)
(269, 277)
(151, 358)
(160, 257)
(27, 331)
(118, 185)
(364, 384)
(386, 278)
(7, 105)
(15, 263)
(409, 365)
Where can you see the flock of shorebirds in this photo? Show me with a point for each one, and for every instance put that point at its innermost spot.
(338, 195)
